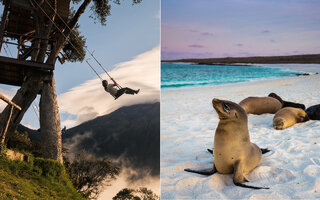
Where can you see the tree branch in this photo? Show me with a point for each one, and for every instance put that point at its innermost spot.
(64, 37)
(77, 16)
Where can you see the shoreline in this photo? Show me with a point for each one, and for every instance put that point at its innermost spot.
(239, 84)
(299, 70)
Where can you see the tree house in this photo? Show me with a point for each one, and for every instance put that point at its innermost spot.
(18, 28)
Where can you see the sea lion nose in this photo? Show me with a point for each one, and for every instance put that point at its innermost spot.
(214, 101)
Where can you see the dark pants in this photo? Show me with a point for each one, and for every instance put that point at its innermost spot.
(125, 90)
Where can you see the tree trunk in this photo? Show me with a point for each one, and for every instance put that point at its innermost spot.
(50, 123)
(23, 98)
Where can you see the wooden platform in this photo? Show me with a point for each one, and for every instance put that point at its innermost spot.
(12, 71)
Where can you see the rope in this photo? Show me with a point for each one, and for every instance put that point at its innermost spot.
(5, 50)
(94, 70)
(35, 112)
(90, 52)
(8, 49)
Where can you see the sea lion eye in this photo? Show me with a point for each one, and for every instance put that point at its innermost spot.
(226, 108)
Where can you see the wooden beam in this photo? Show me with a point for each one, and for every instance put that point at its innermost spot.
(25, 63)
(9, 102)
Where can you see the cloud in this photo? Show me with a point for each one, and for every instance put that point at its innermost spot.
(90, 100)
(207, 33)
(171, 55)
(73, 143)
(122, 182)
(195, 46)
(193, 30)
(201, 33)
(265, 31)
(239, 45)
(272, 41)
(245, 53)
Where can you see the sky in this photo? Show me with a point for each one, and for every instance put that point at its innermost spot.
(130, 40)
(212, 28)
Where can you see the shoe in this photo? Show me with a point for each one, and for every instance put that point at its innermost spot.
(137, 91)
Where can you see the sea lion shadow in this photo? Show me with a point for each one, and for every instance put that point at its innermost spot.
(265, 175)
(261, 175)
(221, 181)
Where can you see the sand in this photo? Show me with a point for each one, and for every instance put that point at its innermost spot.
(188, 122)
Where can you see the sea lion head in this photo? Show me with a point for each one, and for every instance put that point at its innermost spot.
(274, 95)
(278, 123)
(228, 110)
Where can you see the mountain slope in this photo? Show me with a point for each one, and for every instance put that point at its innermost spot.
(130, 133)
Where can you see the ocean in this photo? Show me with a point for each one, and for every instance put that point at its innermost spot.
(178, 75)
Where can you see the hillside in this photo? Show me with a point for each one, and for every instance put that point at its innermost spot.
(38, 179)
(297, 59)
(130, 133)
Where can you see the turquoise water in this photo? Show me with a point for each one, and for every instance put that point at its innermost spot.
(174, 75)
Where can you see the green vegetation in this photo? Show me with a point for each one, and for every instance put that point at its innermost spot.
(90, 175)
(38, 179)
(138, 194)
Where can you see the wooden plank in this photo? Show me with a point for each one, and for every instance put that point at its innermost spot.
(25, 63)
(12, 71)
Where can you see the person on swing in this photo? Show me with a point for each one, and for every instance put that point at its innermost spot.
(114, 91)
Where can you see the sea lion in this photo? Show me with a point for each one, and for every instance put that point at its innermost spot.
(233, 152)
(260, 105)
(289, 116)
(313, 112)
(287, 103)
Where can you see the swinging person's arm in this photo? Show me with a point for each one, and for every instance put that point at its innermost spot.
(115, 83)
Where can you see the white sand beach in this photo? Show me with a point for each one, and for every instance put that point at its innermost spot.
(188, 123)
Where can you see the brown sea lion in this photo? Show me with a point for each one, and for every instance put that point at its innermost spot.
(287, 103)
(314, 112)
(233, 152)
(260, 105)
(289, 116)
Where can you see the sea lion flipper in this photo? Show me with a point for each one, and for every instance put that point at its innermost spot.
(266, 150)
(239, 178)
(210, 151)
(249, 186)
(203, 172)
(304, 118)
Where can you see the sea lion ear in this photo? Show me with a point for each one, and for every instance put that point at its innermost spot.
(235, 114)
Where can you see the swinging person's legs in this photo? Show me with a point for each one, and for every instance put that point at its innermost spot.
(119, 93)
(127, 91)
(130, 91)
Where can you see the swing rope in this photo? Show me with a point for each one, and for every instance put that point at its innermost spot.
(94, 70)
(72, 32)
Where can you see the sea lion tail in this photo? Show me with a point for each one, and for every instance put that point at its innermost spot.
(266, 150)
(249, 186)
